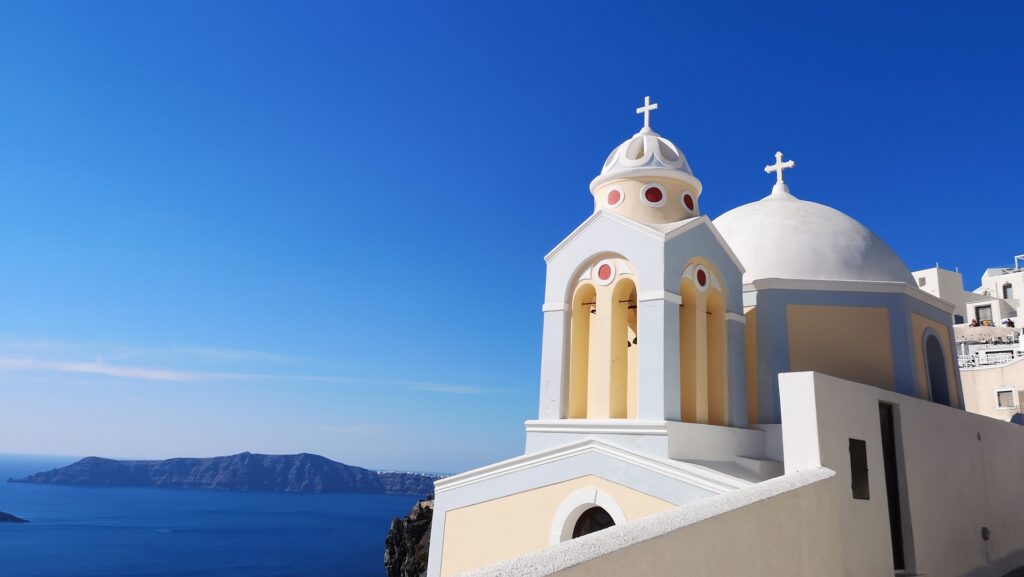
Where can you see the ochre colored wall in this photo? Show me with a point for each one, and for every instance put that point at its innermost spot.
(492, 531)
(918, 324)
(852, 343)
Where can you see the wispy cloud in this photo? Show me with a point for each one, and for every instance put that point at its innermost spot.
(39, 365)
(98, 367)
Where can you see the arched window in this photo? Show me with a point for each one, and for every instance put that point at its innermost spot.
(592, 520)
(703, 394)
(938, 381)
(718, 411)
(584, 307)
(625, 344)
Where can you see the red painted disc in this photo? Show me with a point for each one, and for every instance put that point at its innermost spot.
(688, 201)
(614, 197)
(653, 195)
(604, 272)
(702, 277)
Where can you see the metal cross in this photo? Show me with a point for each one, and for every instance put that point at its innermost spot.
(646, 110)
(778, 167)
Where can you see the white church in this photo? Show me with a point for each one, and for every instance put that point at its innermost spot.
(767, 393)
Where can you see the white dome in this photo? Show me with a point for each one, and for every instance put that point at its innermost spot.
(781, 236)
(646, 154)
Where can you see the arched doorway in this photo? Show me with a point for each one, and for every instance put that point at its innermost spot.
(938, 380)
(592, 520)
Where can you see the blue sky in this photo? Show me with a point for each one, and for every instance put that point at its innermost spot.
(313, 226)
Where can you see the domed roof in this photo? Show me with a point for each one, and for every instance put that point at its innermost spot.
(646, 154)
(781, 236)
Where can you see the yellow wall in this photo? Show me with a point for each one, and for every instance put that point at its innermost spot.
(485, 533)
(852, 343)
(750, 349)
(603, 369)
(918, 324)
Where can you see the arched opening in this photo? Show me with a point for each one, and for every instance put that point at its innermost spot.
(703, 392)
(584, 308)
(688, 352)
(718, 412)
(592, 520)
(938, 380)
(625, 345)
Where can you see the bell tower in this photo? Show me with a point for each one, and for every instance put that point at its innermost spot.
(636, 307)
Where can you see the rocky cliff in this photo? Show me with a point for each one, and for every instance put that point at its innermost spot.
(303, 473)
(408, 542)
(8, 518)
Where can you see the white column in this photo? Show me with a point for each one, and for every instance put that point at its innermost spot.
(554, 370)
(658, 376)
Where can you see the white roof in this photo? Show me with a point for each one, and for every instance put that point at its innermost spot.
(781, 236)
(646, 154)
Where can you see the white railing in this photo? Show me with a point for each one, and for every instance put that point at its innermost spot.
(987, 359)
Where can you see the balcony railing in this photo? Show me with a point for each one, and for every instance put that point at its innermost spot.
(986, 360)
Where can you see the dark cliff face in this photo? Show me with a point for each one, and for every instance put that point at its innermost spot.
(303, 473)
(408, 542)
(8, 518)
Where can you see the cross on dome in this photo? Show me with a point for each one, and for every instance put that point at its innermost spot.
(778, 167)
(646, 111)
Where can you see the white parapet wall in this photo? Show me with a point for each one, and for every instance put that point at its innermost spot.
(784, 526)
(960, 475)
(959, 478)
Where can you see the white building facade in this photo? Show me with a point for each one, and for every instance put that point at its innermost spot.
(692, 369)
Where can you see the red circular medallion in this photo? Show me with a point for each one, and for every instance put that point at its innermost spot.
(653, 195)
(604, 272)
(614, 197)
(688, 201)
(702, 277)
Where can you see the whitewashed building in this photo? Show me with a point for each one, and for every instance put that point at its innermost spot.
(767, 393)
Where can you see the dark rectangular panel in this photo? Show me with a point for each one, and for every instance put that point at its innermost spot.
(859, 469)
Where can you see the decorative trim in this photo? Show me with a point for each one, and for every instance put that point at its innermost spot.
(622, 196)
(598, 427)
(555, 307)
(573, 507)
(597, 277)
(862, 286)
(646, 172)
(682, 200)
(700, 477)
(661, 189)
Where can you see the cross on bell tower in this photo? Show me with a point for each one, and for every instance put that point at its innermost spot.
(646, 111)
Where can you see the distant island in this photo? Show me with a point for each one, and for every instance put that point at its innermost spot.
(8, 518)
(303, 473)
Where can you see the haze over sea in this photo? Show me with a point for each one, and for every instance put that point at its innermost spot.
(149, 532)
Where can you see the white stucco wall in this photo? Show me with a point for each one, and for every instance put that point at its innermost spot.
(785, 526)
(962, 472)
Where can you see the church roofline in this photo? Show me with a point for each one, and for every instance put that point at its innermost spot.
(866, 286)
(688, 473)
(662, 232)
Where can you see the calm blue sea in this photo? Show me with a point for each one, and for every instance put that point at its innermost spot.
(100, 532)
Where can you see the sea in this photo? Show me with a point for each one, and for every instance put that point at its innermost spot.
(150, 532)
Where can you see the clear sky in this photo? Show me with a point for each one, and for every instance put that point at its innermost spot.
(313, 226)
